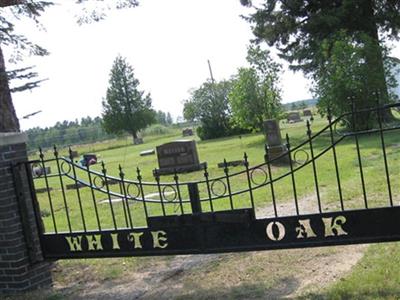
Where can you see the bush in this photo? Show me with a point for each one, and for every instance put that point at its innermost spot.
(156, 129)
(210, 131)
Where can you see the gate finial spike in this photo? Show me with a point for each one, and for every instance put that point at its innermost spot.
(287, 138)
(245, 158)
(139, 176)
(308, 128)
(205, 171)
(329, 115)
(41, 155)
(225, 166)
(266, 156)
(121, 173)
(175, 175)
(156, 175)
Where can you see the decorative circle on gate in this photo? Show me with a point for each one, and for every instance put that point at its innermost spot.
(133, 190)
(64, 168)
(218, 188)
(98, 182)
(301, 157)
(258, 176)
(169, 193)
(396, 112)
(345, 127)
(394, 120)
(37, 170)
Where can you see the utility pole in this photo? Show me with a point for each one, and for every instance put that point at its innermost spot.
(209, 68)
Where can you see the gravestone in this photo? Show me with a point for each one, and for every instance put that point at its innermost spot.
(138, 141)
(294, 117)
(187, 132)
(147, 152)
(232, 163)
(75, 186)
(180, 156)
(74, 153)
(307, 113)
(275, 147)
(43, 190)
(38, 171)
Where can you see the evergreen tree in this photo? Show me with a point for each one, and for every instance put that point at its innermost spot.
(125, 107)
(169, 119)
(161, 117)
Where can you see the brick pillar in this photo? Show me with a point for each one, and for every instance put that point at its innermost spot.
(21, 263)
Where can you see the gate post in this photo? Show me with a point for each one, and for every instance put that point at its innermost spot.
(21, 263)
(194, 197)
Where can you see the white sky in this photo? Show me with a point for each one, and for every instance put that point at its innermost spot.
(167, 42)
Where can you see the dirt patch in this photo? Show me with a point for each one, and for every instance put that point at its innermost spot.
(252, 275)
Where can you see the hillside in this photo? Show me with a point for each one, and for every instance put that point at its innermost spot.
(308, 103)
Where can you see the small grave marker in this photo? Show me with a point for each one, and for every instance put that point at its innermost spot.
(294, 117)
(38, 171)
(74, 186)
(43, 190)
(307, 113)
(187, 132)
(138, 141)
(232, 163)
(147, 152)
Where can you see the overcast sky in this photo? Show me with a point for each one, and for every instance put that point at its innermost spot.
(167, 42)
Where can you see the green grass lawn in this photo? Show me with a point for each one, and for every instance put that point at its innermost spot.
(377, 270)
(120, 152)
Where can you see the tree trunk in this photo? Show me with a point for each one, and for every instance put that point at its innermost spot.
(136, 140)
(8, 118)
(376, 85)
(374, 58)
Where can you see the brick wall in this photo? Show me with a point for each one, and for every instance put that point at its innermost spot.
(21, 264)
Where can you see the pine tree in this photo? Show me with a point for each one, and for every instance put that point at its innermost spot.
(169, 119)
(126, 108)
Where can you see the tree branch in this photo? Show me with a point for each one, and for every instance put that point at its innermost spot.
(6, 3)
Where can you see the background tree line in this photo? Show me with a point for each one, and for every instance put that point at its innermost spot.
(86, 130)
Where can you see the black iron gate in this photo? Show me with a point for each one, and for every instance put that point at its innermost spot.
(88, 213)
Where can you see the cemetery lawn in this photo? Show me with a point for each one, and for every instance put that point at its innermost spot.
(254, 275)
